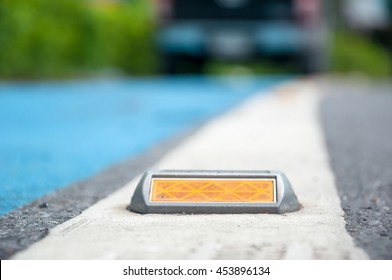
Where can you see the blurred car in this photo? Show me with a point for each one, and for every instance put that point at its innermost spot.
(194, 31)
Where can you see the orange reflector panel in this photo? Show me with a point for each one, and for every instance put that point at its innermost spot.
(213, 190)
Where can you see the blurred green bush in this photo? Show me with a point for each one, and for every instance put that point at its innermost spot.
(352, 53)
(62, 38)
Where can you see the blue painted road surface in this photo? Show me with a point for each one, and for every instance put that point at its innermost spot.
(55, 133)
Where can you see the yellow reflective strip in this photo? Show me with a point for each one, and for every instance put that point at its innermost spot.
(213, 190)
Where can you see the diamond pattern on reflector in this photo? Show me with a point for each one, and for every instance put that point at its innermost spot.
(212, 190)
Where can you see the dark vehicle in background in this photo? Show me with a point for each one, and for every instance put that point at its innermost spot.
(285, 31)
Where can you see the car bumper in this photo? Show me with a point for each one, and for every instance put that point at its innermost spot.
(231, 40)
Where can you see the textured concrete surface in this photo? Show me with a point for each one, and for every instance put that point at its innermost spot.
(356, 118)
(32, 222)
(279, 131)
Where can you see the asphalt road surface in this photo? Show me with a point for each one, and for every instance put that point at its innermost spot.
(357, 121)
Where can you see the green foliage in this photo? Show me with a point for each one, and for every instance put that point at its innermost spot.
(58, 38)
(126, 37)
(352, 53)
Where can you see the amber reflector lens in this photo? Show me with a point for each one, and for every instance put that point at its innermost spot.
(213, 190)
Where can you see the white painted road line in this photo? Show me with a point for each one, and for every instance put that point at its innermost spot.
(279, 131)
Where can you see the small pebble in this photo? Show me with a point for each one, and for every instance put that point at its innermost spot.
(43, 205)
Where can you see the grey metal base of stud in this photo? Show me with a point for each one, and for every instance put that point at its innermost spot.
(284, 201)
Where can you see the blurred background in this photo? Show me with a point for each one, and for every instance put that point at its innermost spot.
(88, 85)
(57, 39)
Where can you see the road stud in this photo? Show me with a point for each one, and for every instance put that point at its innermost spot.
(213, 192)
